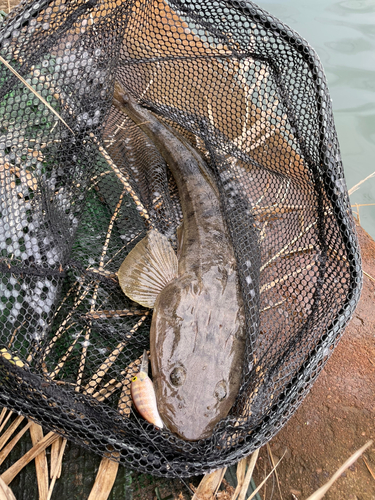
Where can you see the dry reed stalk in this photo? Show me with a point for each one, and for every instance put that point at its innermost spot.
(94, 181)
(110, 387)
(276, 474)
(124, 179)
(354, 188)
(57, 470)
(9, 447)
(41, 465)
(62, 360)
(2, 414)
(291, 242)
(6, 435)
(107, 390)
(273, 305)
(279, 281)
(104, 480)
(369, 468)
(368, 275)
(55, 451)
(35, 92)
(117, 313)
(6, 420)
(11, 473)
(125, 401)
(319, 494)
(277, 209)
(61, 330)
(82, 362)
(66, 296)
(5, 492)
(123, 248)
(209, 485)
(104, 367)
(11, 340)
(109, 230)
(265, 479)
(107, 472)
(249, 474)
(240, 474)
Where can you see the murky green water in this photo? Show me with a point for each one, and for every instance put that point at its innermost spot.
(343, 34)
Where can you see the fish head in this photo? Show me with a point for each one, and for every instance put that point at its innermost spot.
(195, 370)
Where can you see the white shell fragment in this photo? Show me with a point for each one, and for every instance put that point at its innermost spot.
(148, 268)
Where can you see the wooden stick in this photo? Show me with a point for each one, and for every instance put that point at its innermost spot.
(6, 420)
(5, 492)
(319, 494)
(35, 92)
(57, 471)
(240, 474)
(6, 435)
(115, 314)
(82, 362)
(369, 468)
(55, 451)
(276, 474)
(9, 447)
(125, 401)
(61, 330)
(107, 391)
(123, 248)
(12, 472)
(291, 242)
(11, 340)
(105, 479)
(2, 414)
(279, 281)
(104, 367)
(61, 363)
(249, 474)
(368, 275)
(264, 480)
(209, 485)
(41, 465)
(354, 188)
(124, 179)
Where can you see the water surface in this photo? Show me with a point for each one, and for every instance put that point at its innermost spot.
(343, 34)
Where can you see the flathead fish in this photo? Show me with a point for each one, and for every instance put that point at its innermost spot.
(197, 338)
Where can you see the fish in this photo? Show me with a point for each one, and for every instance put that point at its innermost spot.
(143, 395)
(197, 334)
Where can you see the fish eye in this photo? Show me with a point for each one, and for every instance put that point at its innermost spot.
(177, 376)
(221, 390)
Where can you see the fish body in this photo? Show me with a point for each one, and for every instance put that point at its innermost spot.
(197, 338)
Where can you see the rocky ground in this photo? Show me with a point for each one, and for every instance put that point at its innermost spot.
(338, 416)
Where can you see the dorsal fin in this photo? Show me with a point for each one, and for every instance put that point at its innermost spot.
(148, 268)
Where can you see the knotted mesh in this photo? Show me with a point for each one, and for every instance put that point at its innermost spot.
(81, 184)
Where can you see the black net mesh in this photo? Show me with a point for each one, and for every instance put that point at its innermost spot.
(81, 184)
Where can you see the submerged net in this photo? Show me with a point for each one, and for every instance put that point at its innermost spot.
(81, 184)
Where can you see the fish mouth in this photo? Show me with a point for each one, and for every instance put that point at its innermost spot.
(187, 421)
(189, 430)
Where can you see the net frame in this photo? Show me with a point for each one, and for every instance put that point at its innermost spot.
(84, 135)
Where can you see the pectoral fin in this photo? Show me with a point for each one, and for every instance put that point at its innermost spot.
(148, 268)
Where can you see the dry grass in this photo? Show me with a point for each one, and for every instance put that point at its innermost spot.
(212, 487)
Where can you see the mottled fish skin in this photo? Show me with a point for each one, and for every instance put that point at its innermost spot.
(197, 338)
